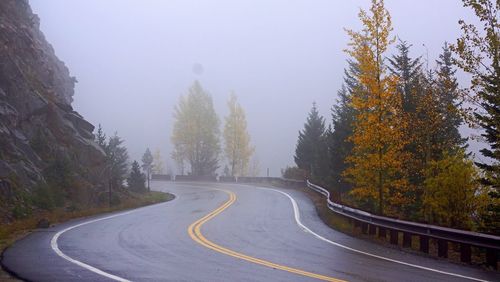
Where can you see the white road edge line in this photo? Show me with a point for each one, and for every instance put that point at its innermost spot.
(306, 229)
(55, 247)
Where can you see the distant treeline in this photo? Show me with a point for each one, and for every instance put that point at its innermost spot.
(394, 146)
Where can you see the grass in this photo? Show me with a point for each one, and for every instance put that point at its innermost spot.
(331, 219)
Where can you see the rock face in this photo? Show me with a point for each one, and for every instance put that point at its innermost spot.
(37, 122)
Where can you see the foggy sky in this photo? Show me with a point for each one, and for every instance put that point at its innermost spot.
(133, 59)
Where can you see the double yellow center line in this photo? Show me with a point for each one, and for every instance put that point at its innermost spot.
(194, 231)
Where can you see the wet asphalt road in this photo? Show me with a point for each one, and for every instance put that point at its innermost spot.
(153, 244)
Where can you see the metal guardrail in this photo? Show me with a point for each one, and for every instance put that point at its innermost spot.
(164, 177)
(370, 222)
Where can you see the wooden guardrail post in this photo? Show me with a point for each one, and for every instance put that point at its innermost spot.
(424, 244)
(394, 237)
(381, 232)
(357, 224)
(364, 227)
(465, 253)
(372, 229)
(406, 240)
(442, 248)
(491, 258)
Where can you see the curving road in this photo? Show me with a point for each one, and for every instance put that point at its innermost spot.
(218, 232)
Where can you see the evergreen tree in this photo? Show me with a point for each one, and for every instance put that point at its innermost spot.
(100, 137)
(411, 88)
(147, 164)
(408, 71)
(339, 144)
(431, 110)
(196, 132)
(310, 152)
(351, 75)
(226, 171)
(449, 95)
(117, 161)
(136, 178)
(478, 51)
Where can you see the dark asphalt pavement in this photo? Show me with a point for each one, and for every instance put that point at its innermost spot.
(153, 244)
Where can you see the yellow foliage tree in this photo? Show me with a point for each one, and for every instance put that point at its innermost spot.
(453, 193)
(237, 140)
(195, 133)
(377, 157)
(158, 167)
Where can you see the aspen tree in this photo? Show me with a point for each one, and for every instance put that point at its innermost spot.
(378, 155)
(237, 146)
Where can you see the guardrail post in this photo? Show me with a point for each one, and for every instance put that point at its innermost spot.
(372, 229)
(394, 237)
(381, 232)
(491, 258)
(356, 223)
(364, 227)
(406, 240)
(465, 253)
(424, 244)
(442, 248)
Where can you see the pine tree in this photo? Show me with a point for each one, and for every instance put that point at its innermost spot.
(147, 164)
(100, 137)
(427, 124)
(310, 152)
(136, 178)
(226, 171)
(408, 71)
(449, 102)
(410, 88)
(237, 146)
(378, 156)
(478, 51)
(117, 161)
(196, 132)
(339, 144)
(431, 108)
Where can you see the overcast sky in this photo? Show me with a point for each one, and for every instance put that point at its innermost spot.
(133, 59)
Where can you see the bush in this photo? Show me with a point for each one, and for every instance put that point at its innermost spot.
(294, 173)
(53, 191)
(136, 180)
(452, 193)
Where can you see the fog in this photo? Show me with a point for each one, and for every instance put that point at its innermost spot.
(133, 59)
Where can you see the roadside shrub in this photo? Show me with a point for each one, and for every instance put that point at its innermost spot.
(294, 173)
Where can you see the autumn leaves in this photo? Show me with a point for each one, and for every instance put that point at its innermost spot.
(378, 135)
(394, 147)
(196, 136)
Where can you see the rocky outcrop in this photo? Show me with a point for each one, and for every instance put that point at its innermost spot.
(37, 121)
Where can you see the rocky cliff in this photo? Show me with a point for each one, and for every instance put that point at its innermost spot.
(38, 126)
